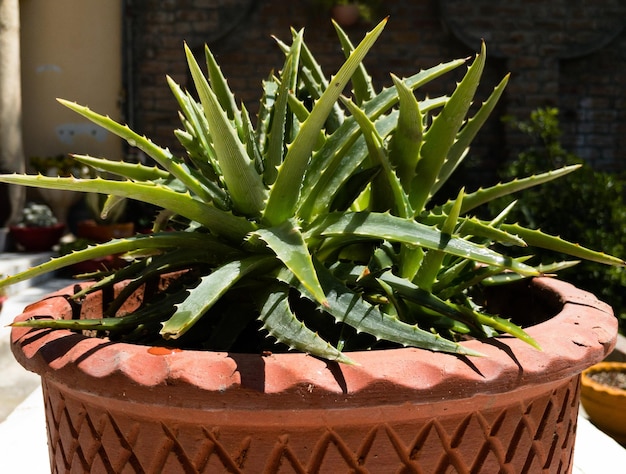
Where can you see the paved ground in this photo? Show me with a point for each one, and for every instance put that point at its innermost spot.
(23, 444)
(16, 383)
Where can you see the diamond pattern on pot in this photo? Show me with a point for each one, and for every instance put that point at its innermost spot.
(525, 436)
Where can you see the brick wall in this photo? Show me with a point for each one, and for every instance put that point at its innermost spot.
(565, 53)
(592, 98)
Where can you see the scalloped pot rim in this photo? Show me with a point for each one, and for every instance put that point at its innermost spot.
(581, 334)
(607, 366)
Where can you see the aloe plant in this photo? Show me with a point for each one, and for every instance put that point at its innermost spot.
(315, 225)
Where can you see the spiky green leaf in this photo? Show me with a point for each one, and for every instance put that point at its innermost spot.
(441, 134)
(285, 193)
(458, 149)
(407, 138)
(220, 222)
(347, 307)
(133, 171)
(362, 86)
(286, 241)
(386, 189)
(210, 289)
(433, 261)
(164, 240)
(281, 323)
(277, 140)
(219, 85)
(537, 238)
(243, 182)
(376, 226)
(161, 155)
(482, 196)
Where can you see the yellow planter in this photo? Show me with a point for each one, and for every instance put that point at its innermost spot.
(605, 405)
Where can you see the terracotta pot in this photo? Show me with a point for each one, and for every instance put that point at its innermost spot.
(91, 230)
(345, 15)
(37, 239)
(605, 405)
(114, 407)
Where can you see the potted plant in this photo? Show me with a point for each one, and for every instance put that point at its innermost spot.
(38, 230)
(105, 226)
(106, 223)
(311, 305)
(60, 201)
(603, 396)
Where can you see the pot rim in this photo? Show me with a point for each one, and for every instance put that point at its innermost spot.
(510, 364)
(604, 366)
(18, 228)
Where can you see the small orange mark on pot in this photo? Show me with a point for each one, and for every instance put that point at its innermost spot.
(161, 351)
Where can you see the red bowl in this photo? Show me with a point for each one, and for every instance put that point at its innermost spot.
(37, 239)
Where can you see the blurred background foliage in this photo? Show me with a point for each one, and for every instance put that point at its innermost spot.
(586, 206)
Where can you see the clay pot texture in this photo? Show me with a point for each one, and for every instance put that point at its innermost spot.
(89, 229)
(114, 407)
(605, 405)
(346, 15)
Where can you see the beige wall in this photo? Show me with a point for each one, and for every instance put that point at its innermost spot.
(70, 49)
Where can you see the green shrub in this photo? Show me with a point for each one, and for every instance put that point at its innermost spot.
(597, 212)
